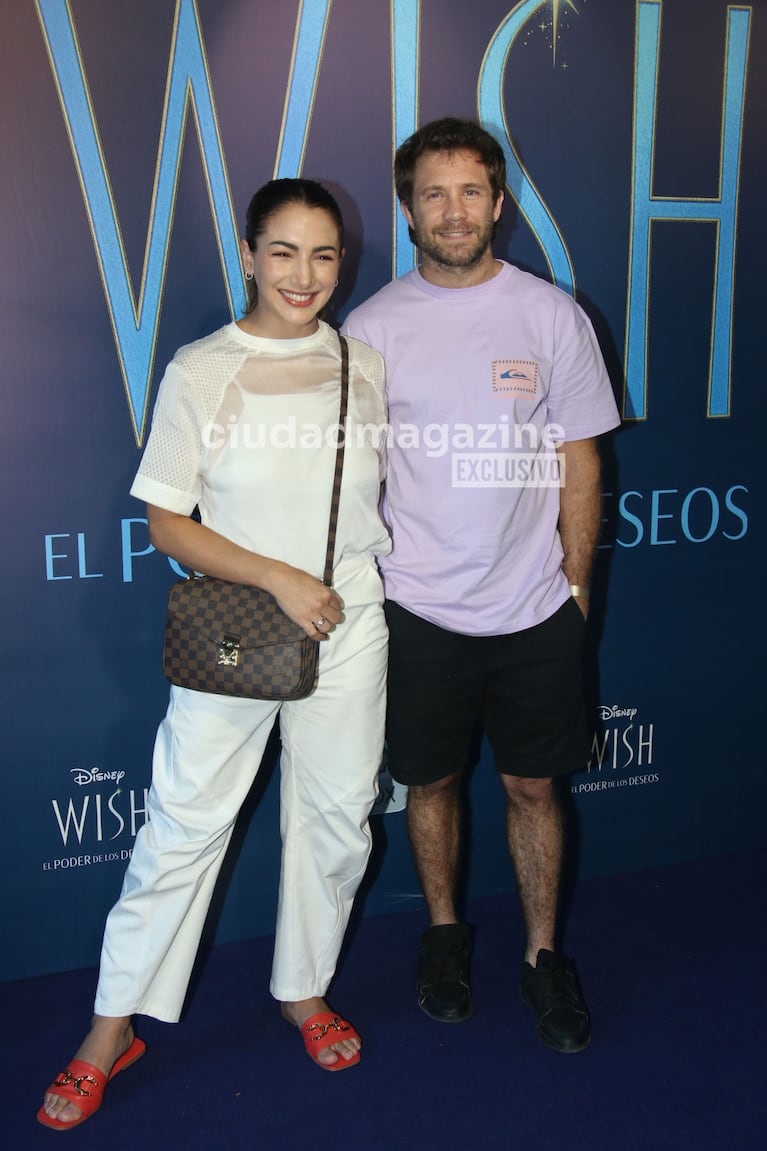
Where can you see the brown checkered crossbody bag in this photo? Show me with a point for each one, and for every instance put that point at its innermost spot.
(231, 639)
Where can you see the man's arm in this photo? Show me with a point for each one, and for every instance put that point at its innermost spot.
(580, 513)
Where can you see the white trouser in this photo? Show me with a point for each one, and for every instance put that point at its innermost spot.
(207, 753)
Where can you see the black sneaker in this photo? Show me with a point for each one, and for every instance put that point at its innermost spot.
(443, 973)
(551, 989)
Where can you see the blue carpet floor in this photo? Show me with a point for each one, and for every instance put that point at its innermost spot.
(669, 960)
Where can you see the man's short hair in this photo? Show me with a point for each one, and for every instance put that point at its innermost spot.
(450, 134)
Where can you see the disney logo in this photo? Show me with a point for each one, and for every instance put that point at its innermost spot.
(617, 712)
(83, 776)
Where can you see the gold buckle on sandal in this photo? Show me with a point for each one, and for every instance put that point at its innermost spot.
(323, 1028)
(67, 1077)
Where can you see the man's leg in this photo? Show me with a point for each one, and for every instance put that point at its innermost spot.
(535, 720)
(548, 983)
(434, 827)
(434, 700)
(534, 829)
(433, 820)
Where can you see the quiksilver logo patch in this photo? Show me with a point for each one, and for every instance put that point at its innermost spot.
(515, 377)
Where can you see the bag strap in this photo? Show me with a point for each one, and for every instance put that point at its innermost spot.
(327, 578)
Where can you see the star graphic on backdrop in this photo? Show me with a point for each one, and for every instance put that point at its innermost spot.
(560, 10)
(555, 7)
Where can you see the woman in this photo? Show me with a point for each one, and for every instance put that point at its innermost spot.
(244, 429)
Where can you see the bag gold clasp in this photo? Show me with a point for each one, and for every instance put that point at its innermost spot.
(228, 651)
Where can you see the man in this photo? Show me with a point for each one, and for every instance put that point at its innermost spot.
(493, 377)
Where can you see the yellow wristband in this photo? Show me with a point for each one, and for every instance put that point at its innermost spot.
(579, 591)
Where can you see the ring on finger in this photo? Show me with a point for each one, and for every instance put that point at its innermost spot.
(320, 622)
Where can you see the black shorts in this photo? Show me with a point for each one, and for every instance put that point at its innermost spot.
(525, 689)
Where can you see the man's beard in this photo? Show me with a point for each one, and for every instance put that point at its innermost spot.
(464, 255)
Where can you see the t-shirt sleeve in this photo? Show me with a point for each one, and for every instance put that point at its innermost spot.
(580, 398)
(354, 325)
(168, 475)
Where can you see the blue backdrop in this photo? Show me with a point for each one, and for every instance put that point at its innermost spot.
(132, 136)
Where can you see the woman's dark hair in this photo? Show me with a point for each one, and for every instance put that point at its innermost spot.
(449, 134)
(274, 196)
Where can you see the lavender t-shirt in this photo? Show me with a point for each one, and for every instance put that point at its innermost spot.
(482, 382)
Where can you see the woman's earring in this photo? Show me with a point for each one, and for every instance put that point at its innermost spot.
(248, 275)
(336, 284)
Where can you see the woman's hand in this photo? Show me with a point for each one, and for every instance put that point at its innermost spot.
(306, 600)
(303, 598)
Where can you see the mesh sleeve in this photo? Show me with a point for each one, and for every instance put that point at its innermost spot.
(168, 474)
(369, 363)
